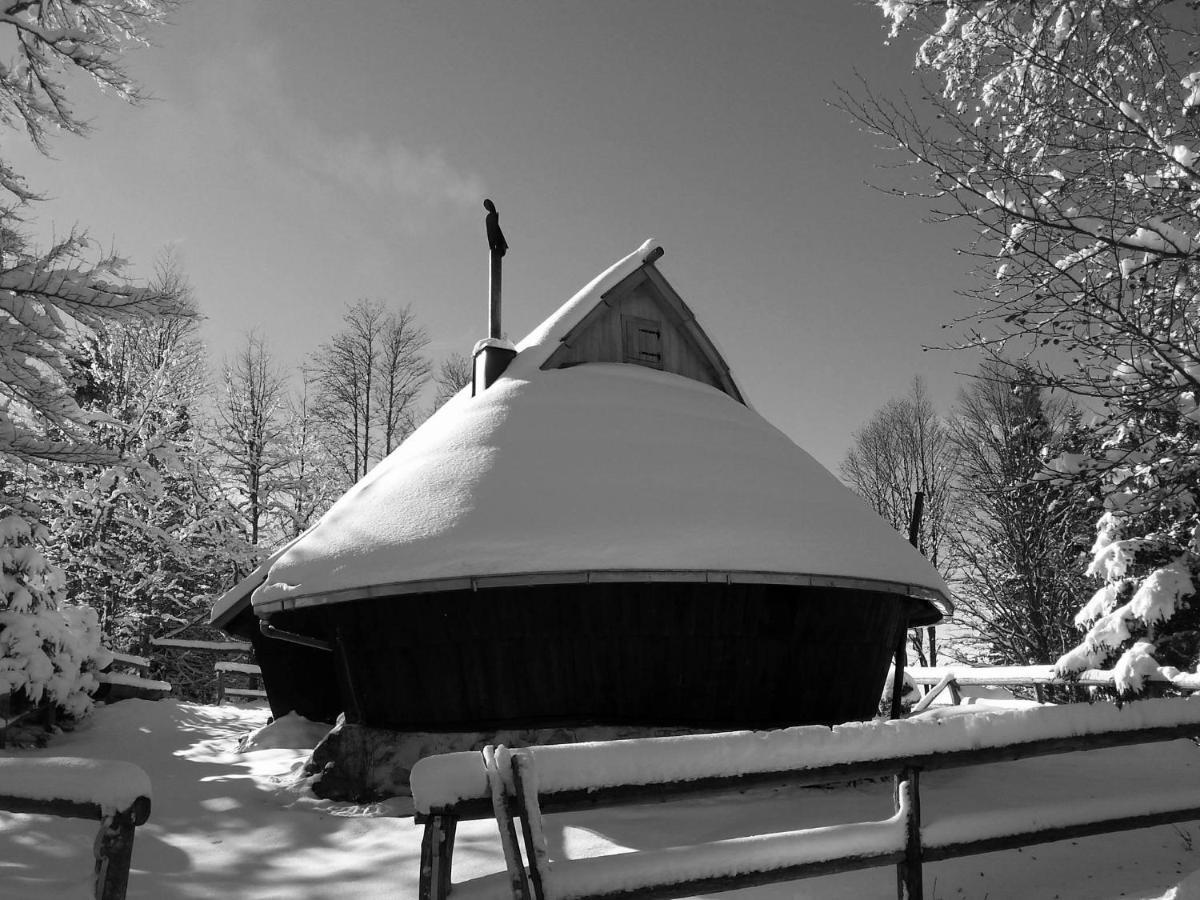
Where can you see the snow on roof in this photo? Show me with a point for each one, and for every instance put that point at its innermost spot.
(232, 602)
(597, 471)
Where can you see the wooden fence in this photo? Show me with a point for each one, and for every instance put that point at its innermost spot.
(193, 664)
(521, 785)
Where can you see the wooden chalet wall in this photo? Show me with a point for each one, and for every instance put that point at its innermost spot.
(689, 654)
(642, 321)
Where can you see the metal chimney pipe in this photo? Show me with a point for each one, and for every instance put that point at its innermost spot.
(494, 294)
(493, 354)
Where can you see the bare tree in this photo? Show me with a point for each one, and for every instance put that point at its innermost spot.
(402, 374)
(310, 480)
(904, 449)
(1018, 576)
(345, 372)
(368, 377)
(452, 376)
(250, 430)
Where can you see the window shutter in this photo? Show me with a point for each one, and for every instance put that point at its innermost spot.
(642, 341)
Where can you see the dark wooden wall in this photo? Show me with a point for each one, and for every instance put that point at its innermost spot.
(296, 679)
(698, 655)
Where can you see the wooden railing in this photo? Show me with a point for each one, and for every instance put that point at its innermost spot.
(70, 788)
(1038, 677)
(520, 785)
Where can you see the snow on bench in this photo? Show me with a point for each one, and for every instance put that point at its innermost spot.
(116, 793)
(457, 786)
(126, 685)
(134, 681)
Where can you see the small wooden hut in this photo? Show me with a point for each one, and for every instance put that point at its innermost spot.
(607, 533)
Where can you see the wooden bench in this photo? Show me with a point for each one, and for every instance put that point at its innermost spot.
(521, 785)
(130, 683)
(117, 794)
(252, 674)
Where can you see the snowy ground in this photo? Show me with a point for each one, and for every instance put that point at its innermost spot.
(238, 824)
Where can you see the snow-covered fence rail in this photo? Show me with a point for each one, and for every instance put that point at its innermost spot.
(560, 778)
(115, 793)
(1037, 677)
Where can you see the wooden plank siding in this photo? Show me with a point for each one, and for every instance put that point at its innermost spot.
(612, 333)
(668, 654)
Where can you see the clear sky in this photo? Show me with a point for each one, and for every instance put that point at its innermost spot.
(302, 155)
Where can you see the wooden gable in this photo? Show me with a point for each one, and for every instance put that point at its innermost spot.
(642, 321)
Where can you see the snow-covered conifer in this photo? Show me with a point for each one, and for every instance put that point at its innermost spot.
(49, 649)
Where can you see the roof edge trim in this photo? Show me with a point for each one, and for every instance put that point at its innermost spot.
(938, 600)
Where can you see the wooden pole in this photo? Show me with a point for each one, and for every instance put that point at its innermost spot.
(914, 538)
(901, 655)
(914, 521)
(898, 670)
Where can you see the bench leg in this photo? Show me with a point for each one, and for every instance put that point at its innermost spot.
(437, 848)
(114, 852)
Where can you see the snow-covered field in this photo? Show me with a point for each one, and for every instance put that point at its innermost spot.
(238, 824)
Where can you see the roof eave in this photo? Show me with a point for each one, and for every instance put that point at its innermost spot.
(938, 601)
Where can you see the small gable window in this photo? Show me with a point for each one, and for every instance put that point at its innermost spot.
(642, 341)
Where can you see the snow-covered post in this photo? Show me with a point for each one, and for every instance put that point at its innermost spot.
(907, 796)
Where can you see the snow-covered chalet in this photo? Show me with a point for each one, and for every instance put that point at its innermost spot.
(607, 533)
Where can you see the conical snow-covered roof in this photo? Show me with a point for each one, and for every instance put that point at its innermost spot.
(600, 472)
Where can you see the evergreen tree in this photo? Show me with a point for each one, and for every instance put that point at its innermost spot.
(49, 649)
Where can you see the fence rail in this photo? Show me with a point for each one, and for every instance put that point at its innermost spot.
(453, 787)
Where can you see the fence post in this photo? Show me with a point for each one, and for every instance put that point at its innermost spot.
(909, 880)
(114, 851)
